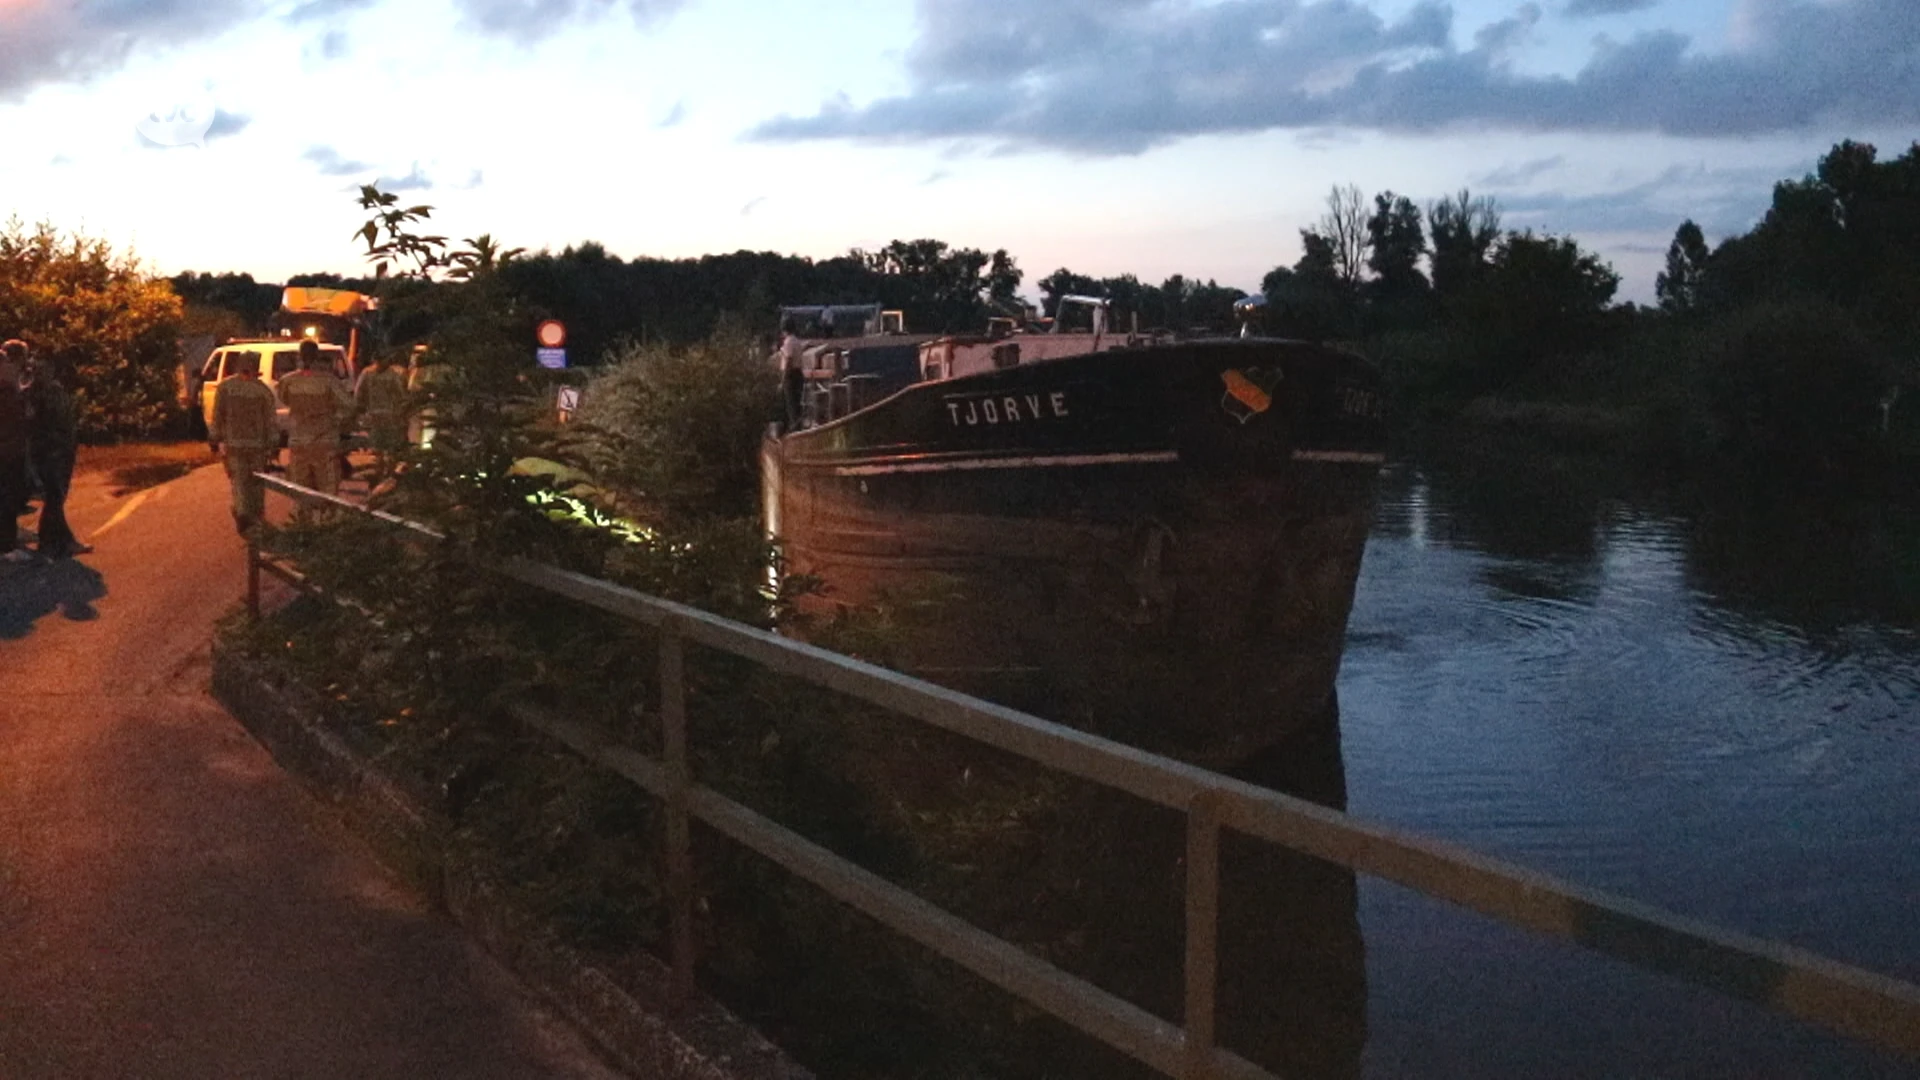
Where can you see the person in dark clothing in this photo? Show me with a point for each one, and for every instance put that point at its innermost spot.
(51, 446)
(13, 451)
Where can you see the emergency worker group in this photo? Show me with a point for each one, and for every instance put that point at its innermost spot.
(319, 409)
(38, 437)
(37, 442)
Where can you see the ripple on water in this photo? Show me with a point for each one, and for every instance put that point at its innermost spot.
(1728, 726)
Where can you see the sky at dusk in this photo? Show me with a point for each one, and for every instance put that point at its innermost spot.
(1108, 136)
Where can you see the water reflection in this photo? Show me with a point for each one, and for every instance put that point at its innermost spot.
(1491, 498)
(1816, 563)
(1293, 989)
(1702, 696)
(1292, 992)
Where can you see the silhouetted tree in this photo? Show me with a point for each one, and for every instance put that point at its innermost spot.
(1316, 264)
(1344, 225)
(1464, 230)
(1678, 287)
(1395, 244)
(1539, 297)
(249, 302)
(1003, 281)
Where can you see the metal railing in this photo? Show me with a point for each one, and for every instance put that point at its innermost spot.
(1864, 1005)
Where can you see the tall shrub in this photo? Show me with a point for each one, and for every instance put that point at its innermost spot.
(679, 428)
(75, 299)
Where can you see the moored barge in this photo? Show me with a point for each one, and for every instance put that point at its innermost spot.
(1152, 538)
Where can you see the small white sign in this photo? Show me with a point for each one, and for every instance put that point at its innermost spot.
(569, 401)
(552, 358)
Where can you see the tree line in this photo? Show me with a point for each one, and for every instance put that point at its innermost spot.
(1805, 323)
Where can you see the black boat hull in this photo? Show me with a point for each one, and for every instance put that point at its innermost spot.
(1156, 544)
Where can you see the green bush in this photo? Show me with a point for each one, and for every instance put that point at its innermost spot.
(679, 428)
(76, 300)
(1796, 382)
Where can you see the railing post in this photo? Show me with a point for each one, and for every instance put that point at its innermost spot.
(1203, 932)
(673, 730)
(253, 577)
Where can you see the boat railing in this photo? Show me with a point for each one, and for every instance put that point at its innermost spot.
(1096, 305)
(1851, 1001)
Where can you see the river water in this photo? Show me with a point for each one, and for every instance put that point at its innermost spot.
(1707, 700)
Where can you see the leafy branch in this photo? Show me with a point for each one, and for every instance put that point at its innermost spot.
(400, 243)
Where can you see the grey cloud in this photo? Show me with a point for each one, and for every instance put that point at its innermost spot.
(1502, 37)
(415, 180)
(50, 41)
(1516, 175)
(1045, 73)
(1722, 201)
(531, 20)
(56, 41)
(315, 10)
(226, 123)
(1584, 8)
(333, 43)
(752, 205)
(674, 115)
(1324, 138)
(332, 163)
(935, 177)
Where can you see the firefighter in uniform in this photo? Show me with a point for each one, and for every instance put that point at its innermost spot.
(316, 404)
(244, 426)
(381, 397)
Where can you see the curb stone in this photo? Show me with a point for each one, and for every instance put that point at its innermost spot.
(627, 1018)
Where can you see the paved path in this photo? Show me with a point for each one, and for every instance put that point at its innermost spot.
(171, 903)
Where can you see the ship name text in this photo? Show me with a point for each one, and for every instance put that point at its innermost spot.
(1007, 408)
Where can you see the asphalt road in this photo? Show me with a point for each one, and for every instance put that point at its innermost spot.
(171, 903)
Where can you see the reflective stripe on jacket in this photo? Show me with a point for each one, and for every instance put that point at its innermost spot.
(316, 403)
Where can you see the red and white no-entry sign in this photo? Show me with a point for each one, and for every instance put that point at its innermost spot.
(550, 334)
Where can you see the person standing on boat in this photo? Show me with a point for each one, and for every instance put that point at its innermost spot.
(787, 353)
(792, 378)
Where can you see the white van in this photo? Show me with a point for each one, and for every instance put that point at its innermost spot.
(278, 358)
